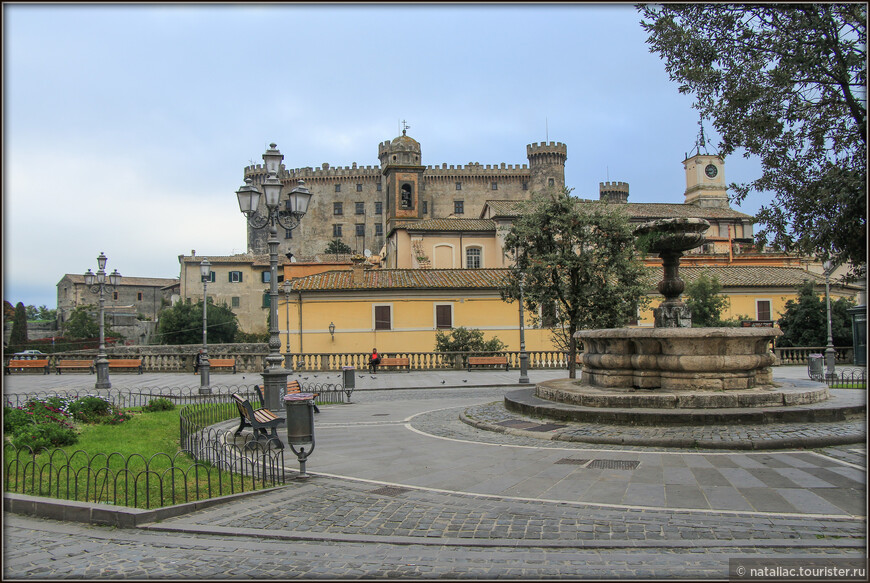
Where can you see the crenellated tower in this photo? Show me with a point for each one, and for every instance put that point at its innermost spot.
(616, 192)
(546, 165)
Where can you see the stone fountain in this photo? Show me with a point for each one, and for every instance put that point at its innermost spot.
(673, 373)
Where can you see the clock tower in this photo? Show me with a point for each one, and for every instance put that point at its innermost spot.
(705, 178)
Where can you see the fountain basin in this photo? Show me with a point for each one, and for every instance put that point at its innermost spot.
(678, 359)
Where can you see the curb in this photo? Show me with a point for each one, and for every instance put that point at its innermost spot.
(109, 514)
(749, 444)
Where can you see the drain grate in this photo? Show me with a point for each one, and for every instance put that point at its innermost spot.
(389, 491)
(572, 461)
(547, 427)
(613, 464)
(518, 423)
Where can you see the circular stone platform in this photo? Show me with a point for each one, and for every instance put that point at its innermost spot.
(797, 401)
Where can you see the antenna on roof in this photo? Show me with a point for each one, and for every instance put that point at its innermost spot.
(547, 129)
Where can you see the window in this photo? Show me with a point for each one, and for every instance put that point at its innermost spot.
(494, 185)
(266, 276)
(379, 186)
(383, 321)
(407, 199)
(211, 277)
(458, 186)
(762, 309)
(235, 301)
(551, 182)
(379, 208)
(114, 295)
(360, 230)
(139, 296)
(235, 277)
(358, 187)
(425, 206)
(472, 258)
(336, 230)
(443, 317)
(525, 185)
(360, 208)
(379, 230)
(337, 208)
(288, 233)
(458, 207)
(338, 188)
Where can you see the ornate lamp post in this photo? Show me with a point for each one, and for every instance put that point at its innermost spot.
(274, 375)
(96, 284)
(830, 353)
(204, 367)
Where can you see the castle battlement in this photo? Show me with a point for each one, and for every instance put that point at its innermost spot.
(620, 186)
(325, 171)
(547, 148)
(613, 191)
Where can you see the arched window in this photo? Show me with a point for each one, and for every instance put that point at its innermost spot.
(472, 258)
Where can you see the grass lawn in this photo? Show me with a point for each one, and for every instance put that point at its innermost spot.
(136, 463)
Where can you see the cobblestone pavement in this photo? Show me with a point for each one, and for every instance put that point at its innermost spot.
(401, 487)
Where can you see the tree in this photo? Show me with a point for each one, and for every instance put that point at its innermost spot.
(8, 311)
(704, 299)
(40, 313)
(182, 323)
(18, 336)
(805, 321)
(82, 325)
(577, 258)
(788, 84)
(462, 339)
(338, 247)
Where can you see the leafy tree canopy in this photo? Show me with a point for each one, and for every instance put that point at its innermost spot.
(18, 334)
(462, 339)
(40, 313)
(338, 247)
(81, 324)
(805, 321)
(182, 323)
(786, 83)
(8, 311)
(578, 257)
(704, 299)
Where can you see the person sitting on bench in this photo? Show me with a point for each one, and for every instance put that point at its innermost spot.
(374, 360)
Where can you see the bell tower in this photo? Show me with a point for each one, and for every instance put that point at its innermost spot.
(403, 178)
(705, 177)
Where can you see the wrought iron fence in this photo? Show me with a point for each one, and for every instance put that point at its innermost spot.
(845, 378)
(212, 461)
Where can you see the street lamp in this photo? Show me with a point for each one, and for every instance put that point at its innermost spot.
(274, 375)
(830, 353)
(204, 366)
(96, 284)
(332, 330)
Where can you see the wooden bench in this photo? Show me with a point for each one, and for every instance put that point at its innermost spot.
(259, 420)
(396, 361)
(222, 362)
(74, 364)
(293, 388)
(488, 361)
(22, 365)
(126, 363)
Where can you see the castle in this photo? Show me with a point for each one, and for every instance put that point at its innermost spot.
(359, 205)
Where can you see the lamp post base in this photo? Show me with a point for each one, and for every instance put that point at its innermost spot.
(524, 368)
(205, 388)
(274, 388)
(102, 368)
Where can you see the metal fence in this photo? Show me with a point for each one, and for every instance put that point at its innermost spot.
(212, 461)
(845, 378)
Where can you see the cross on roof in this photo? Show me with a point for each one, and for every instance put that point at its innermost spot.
(405, 127)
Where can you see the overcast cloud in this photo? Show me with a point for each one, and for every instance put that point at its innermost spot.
(127, 127)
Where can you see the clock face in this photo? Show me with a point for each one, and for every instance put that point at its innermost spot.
(711, 171)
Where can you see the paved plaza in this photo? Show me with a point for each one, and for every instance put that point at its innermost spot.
(402, 487)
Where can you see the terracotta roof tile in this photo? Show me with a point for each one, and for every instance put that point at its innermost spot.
(448, 224)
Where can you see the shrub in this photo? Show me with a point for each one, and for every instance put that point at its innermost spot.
(44, 435)
(14, 419)
(159, 404)
(92, 409)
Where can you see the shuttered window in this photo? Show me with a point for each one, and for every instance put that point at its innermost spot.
(383, 320)
(444, 317)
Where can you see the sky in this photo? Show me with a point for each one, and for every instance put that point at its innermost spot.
(126, 127)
